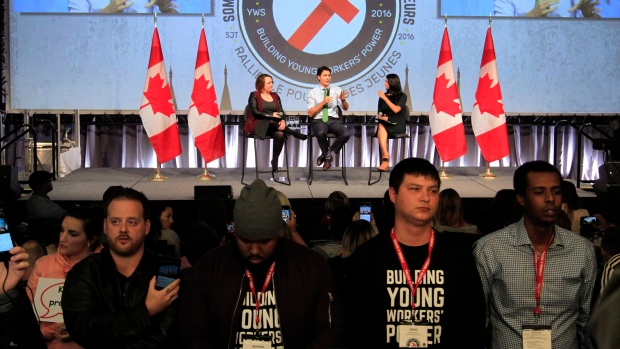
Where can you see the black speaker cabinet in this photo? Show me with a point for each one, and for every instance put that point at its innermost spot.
(222, 192)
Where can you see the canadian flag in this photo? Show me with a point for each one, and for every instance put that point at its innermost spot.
(157, 110)
(487, 117)
(204, 114)
(446, 116)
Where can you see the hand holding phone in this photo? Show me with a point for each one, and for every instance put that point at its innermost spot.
(168, 271)
(591, 220)
(17, 266)
(158, 300)
(6, 244)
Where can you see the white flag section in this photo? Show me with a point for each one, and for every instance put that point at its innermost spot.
(487, 117)
(204, 114)
(446, 116)
(47, 299)
(157, 111)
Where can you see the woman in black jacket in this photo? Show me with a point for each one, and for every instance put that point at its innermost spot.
(266, 119)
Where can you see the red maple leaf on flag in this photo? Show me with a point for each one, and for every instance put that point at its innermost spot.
(488, 98)
(445, 97)
(159, 96)
(204, 97)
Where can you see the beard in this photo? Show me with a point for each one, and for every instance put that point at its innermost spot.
(132, 247)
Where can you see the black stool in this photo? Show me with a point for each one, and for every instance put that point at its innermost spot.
(247, 136)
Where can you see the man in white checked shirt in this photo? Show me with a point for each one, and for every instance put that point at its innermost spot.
(537, 277)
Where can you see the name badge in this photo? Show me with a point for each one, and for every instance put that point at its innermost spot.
(412, 335)
(536, 337)
(256, 342)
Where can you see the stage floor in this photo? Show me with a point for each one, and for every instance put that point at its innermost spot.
(88, 184)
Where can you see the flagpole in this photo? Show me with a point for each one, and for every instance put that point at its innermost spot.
(443, 174)
(205, 175)
(158, 176)
(488, 174)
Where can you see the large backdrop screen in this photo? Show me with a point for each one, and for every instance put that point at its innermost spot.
(63, 60)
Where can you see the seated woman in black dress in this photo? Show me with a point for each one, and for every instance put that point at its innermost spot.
(266, 108)
(392, 109)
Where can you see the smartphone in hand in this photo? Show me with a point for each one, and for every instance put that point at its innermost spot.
(365, 210)
(6, 244)
(168, 271)
(286, 213)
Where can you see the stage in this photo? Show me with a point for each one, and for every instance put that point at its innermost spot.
(88, 184)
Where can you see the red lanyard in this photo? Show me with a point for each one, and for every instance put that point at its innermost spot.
(265, 285)
(539, 264)
(403, 263)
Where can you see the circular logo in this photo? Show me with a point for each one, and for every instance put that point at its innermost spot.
(413, 343)
(293, 38)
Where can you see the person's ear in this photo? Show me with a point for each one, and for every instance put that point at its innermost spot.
(392, 193)
(521, 200)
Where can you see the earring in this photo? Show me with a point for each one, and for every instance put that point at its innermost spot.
(88, 244)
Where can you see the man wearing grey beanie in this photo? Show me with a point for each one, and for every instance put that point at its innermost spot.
(261, 290)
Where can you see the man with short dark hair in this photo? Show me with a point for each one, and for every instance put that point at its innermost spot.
(537, 277)
(414, 287)
(109, 298)
(323, 103)
(261, 290)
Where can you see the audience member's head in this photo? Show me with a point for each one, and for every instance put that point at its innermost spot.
(41, 182)
(90, 221)
(124, 193)
(257, 232)
(610, 244)
(79, 232)
(334, 200)
(356, 234)
(413, 166)
(520, 179)
(258, 212)
(164, 214)
(450, 211)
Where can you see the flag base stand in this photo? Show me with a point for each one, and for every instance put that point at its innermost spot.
(205, 176)
(488, 174)
(158, 177)
(443, 174)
